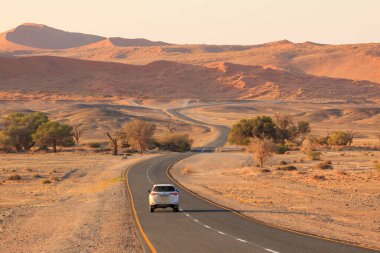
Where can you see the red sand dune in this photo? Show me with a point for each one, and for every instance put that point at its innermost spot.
(34, 36)
(165, 79)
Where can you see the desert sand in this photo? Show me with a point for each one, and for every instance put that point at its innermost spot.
(344, 206)
(84, 209)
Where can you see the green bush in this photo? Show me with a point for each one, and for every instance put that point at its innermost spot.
(282, 149)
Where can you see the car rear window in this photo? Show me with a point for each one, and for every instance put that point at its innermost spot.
(164, 189)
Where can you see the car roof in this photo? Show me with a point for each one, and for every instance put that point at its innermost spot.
(163, 185)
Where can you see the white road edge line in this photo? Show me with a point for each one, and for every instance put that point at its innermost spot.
(220, 232)
(196, 220)
(187, 215)
(206, 226)
(273, 251)
(241, 240)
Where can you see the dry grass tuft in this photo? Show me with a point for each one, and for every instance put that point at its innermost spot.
(314, 155)
(46, 181)
(327, 165)
(187, 170)
(319, 177)
(55, 178)
(283, 163)
(14, 177)
(265, 170)
(341, 172)
(36, 175)
(287, 168)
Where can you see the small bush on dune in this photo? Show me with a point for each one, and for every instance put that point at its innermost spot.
(14, 177)
(327, 165)
(265, 170)
(283, 163)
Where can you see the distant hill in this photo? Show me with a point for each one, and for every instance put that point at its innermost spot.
(166, 79)
(35, 36)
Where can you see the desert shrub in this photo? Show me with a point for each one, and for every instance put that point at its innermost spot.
(29, 169)
(5, 141)
(282, 149)
(52, 171)
(46, 181)
(327, 165)
(36, 175)
(265, 170)
(377, 167)
(341, 172)
(314, 155)
(186, 170)
(283, 163)
(94, 145)
(319, 177)
(287, 168)
(140, 134)
(55, 178)
(14, 177)
(175, 142)
(262, 149)
(340, 138)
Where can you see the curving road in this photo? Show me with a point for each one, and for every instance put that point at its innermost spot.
(205, 227)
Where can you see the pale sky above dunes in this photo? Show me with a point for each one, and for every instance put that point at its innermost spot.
(205, 21)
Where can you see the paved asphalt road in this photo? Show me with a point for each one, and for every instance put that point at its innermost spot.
(205, 227)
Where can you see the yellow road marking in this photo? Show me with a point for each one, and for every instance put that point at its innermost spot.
(148, 242)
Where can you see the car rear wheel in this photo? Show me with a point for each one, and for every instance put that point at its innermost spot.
(151, 209)
(175, 209)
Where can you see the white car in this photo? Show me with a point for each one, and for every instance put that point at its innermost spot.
(163, 196)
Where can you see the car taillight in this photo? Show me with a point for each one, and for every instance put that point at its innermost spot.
(174, 193)
(153, 193)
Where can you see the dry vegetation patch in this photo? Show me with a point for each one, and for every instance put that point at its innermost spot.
(342, 203)
(80, 193)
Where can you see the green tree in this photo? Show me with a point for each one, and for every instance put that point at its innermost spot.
(259, 127)
(20, 127)
(53, 134)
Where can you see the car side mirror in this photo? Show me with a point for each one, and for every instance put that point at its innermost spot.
(149, 191)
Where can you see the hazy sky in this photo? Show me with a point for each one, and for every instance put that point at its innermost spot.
(205, 21)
